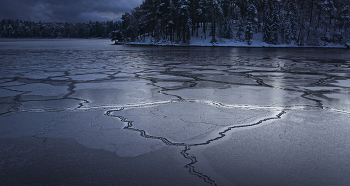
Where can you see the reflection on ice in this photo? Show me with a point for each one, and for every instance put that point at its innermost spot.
(343, 83)
(243, 95)
(117, 93)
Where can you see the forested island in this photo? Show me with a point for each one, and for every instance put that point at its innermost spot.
(297, 22)
(183, 22)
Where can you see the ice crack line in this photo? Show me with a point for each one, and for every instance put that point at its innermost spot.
(191, 169)
(223, 133)
(185, 153)
(143, 133)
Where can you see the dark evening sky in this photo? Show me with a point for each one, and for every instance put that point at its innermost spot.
(66, 10)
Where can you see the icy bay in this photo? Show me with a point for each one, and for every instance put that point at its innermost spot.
(85, 112)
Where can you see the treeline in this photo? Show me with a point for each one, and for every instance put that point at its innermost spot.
(28, 29)
(301, 22)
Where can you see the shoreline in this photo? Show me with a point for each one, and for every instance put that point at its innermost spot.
(232, 46)
(196, 44)
(231, 43)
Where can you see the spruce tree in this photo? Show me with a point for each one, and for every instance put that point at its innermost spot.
(267, 22)
(251, 20)
(275, 26)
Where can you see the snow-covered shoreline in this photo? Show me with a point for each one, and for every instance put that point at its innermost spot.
(221, 42)
(231, 43)
(235, 46)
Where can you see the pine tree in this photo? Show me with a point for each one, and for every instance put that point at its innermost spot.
(184, 16)
(290, 23)
(275, 26)
(271, 29)
(251, 20)
(267, 22)
(345, 23)
(214, 12)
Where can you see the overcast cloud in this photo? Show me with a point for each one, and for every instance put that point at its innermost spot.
(66, 10)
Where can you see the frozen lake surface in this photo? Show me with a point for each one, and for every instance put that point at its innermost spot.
(85, 112)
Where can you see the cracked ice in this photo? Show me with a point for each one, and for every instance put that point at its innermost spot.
(185, 116)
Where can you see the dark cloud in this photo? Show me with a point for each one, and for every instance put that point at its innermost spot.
(66, 10)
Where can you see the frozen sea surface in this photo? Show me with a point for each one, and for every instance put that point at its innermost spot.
(85, 112)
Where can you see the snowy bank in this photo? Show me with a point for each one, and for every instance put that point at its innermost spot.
(233, 43)
(256, 43)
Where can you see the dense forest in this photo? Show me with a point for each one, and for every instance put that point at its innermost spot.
(299, 22)
(27, 29)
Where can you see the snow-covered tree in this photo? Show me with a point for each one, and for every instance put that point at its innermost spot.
(267, 22)
(271, 28)
(345, 23)
(251, 20)
(289, 23)
(275, 26)
(115, 36)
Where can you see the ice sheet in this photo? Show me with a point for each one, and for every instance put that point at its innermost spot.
(219, 116)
